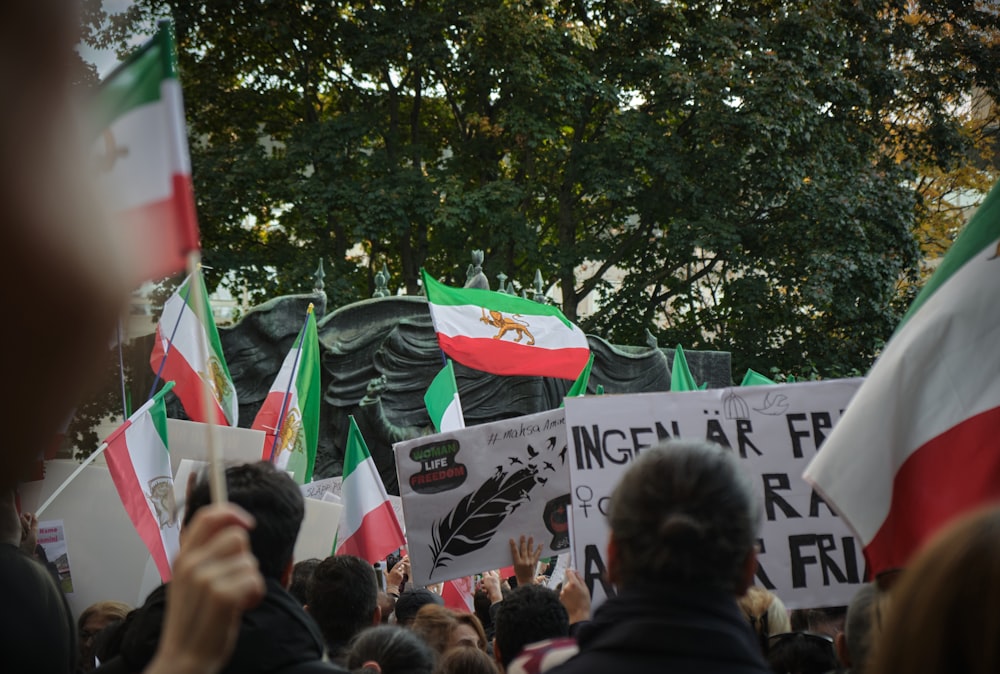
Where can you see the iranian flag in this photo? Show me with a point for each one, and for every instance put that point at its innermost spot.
(368, 527)
(290, 413)
(920, 442)
(139, 463)
(180, 355)
(442, 401)
(505, 334)
(141, 158)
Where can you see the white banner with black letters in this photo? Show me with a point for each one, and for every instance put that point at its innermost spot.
(466, 493)
(808, 556)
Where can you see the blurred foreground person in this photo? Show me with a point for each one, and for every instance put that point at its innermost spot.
(66, 287)
(942, 616)
(684, 524)
(65, 282)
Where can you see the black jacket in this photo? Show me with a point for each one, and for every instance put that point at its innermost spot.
(680, 630)
(276, 637)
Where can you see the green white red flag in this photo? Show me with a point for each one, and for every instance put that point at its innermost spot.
(290, 413)
(143, 166)
(505, 334)
(368, 527)
(180, 355)
(442, 401)
(918, 445)
(139, 462)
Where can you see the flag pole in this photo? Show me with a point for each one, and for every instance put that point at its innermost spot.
(216, 474)
(121, 371)
(79, 469)
(291, 378)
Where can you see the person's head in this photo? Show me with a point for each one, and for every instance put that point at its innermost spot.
(827, 620)
(465, 660)
(411, 601)
(942, 614)
(392, 649)
(469, 632)
(275, 502)
(343, 599)
(302, 574)
(440, 628)
(94, 619)
(684, 512)
(801, 653)
(527, 614)
(854, 643)
(766, 613)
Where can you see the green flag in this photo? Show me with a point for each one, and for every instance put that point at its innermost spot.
(681, 378)
(754, 378)
(579, 387)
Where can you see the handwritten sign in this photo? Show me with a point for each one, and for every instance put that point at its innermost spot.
(466, 493)
(808, 556)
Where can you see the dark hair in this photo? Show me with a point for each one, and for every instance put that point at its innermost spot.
(395, 649)
(466, 660)
(684, 512)
(941, 614)
(302, 574)
(528, 614)
(342, 598)
(274, 500)
(482, 603)
(801, 653)
(411, 601)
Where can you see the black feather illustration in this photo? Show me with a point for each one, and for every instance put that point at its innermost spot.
(474, 520)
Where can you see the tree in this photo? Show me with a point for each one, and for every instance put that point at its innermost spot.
(751, 169)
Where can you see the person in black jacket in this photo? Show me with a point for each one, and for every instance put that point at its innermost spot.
(277, 636)
(684, 524)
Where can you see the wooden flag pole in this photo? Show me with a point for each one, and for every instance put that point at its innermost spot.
(216, 473)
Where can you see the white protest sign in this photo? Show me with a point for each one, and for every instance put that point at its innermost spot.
(466, 493)
(108, 555)
(319, 527)
(808, 556)
(331, 489)
(236, 445)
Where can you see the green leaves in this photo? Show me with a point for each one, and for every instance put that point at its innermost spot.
(739, 175)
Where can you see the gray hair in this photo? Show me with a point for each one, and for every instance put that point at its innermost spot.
(858, 625)
(684, 512)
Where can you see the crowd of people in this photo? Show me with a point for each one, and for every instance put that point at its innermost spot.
(681, 555)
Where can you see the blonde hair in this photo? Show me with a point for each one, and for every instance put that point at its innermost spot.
(766, 612)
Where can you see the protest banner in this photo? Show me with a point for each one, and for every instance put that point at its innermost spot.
(808, 556)
(467, 492)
